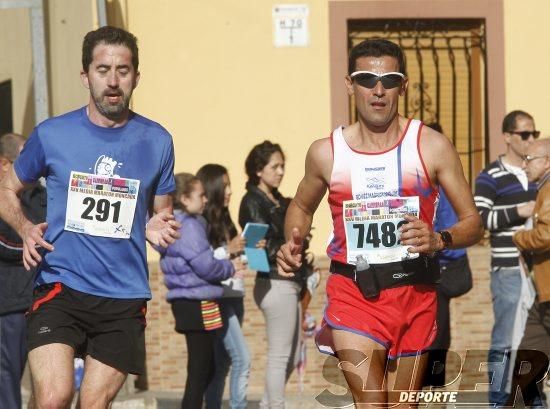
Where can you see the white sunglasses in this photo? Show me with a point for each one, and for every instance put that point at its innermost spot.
(369, 79)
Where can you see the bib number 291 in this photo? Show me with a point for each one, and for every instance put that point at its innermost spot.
(102, 209)
(376, 234)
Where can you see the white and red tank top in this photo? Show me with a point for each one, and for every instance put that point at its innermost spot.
(369, 194)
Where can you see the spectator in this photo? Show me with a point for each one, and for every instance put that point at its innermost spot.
(456, 280)
(277, 297)
(535, 344)
(505, 199)
(192, 275)
(231, 348)
(16, 282)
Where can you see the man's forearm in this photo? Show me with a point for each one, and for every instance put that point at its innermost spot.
(297, 217)
(467, 231)
(11, 211)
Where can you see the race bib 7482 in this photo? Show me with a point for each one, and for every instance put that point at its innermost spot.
(372, 228)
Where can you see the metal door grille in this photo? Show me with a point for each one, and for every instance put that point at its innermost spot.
(446, 66)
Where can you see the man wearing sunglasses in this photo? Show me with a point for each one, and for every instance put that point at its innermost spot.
(383, 175)
(535, 244)
(505, 199)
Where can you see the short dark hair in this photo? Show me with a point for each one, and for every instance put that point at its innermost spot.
(377, 47)
(10, 144)
(510, 120)
(259, 157)
(436, 126)
(108, 35)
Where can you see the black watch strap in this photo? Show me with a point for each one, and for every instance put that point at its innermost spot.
(446, 238)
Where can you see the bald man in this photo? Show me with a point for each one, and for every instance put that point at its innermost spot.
(535, 244)
(16, 283)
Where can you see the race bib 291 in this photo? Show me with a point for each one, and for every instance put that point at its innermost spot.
(100, 205)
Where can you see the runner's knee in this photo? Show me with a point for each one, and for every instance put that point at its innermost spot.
(53, 398)
(99, 399)
(93, 402)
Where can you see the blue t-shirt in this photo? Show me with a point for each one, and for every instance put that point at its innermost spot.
(140, 150)
(446, 217)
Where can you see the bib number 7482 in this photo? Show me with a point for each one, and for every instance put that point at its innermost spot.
(372, 235)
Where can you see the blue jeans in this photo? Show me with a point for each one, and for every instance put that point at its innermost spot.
(13, 356)
(231, 350)
(505, 290)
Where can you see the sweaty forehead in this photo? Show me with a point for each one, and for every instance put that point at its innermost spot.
(112, 54)
(378, 65)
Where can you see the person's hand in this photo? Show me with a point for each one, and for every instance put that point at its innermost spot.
(524, 268)
(526, 210)
(236, 245)
(289, 256)
(239, 266)
(417, 235)
(261, 244)
(33, 237)
(162, 229)
(306, 325)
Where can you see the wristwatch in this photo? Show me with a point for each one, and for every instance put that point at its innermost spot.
(446, 238)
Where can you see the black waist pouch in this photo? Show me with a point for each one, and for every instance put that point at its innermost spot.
(421, 270)
(367, 282)
(456, 277)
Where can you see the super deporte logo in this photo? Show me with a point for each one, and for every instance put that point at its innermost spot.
(468, 378)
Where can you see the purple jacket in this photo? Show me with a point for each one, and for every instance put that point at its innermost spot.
(189, 267)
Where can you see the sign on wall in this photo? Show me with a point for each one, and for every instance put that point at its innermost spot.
(290, 25)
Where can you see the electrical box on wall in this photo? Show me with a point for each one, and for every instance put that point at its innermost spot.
(290, 25)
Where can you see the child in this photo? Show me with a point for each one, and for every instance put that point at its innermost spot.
(192, 276)
(232, 348)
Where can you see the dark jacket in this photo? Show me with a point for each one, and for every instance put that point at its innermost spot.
(16, 283)
(256, 207)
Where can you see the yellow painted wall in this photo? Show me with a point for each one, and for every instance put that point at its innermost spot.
(66, 22)
(15, 65)
(211, 75)
(527, 56)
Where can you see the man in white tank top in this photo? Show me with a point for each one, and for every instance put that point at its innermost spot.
(383, 174)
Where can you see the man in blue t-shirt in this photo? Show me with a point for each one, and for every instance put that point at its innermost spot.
(106, 167)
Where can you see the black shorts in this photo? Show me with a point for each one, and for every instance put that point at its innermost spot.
(110, 330)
